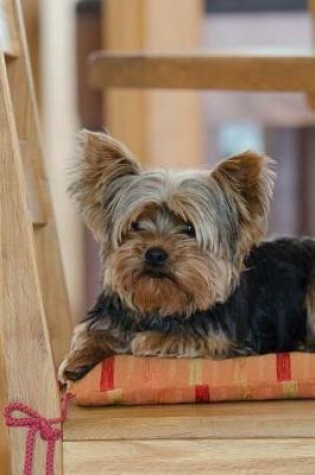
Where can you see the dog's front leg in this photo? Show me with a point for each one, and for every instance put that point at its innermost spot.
(88, 348)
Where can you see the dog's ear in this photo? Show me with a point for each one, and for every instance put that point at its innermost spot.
(247, 180)
(104, 165)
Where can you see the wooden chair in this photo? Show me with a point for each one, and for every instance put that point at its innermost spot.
(269, 437)
(35, 319)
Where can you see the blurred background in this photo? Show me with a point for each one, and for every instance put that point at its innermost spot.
(177, 129)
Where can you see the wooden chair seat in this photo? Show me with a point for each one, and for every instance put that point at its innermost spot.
(253, 437)
(282, 419)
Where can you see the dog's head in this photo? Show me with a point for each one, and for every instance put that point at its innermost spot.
(172, 242)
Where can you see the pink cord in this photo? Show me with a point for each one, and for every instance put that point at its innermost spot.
(36, 423)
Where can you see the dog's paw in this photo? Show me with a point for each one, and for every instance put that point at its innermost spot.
(74, 368)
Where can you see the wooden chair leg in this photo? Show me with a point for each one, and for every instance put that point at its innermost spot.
(48, 257)
(24, 341)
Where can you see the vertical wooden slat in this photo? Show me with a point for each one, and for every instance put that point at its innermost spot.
(174, 117)
(47, 247)
(126, 111)
(162, 128)
(88, 39)
(23, 331)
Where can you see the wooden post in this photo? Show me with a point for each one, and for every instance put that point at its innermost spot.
(49, 264)
(162, 128)
(174, 118)
(24, 340)
(90, 109)
(126, 111)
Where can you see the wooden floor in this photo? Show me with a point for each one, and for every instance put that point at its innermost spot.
(227, 438)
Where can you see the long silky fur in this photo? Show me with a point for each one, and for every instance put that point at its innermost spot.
(222, 292)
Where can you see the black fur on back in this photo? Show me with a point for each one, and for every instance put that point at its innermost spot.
(266, 313)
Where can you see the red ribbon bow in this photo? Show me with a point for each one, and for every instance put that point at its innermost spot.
(37, 424)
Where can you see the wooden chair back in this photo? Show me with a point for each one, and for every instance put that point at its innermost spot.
(35, 323)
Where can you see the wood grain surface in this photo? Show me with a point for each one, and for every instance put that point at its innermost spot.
(238, 72)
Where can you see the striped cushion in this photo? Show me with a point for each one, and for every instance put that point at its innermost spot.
(133, 380)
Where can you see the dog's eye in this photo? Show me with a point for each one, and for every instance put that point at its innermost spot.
(188, 229)
(136, 226)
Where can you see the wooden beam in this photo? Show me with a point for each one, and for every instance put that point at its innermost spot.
(194, 71)
(46, 241)
(175, 132)
(162, 128)
(24, 341)
(124, 111)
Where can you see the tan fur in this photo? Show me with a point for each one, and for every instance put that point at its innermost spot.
(181, 346)
(248, 181)
(87, 349)
(190, 286)
(228, 207)
(102, 161)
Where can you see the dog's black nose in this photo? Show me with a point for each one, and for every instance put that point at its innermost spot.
(155, 256)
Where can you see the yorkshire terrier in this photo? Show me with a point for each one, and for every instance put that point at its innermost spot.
(185, 271)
